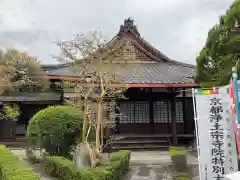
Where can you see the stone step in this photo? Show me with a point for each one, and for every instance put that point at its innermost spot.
(142, 135)
(140, 142)
(141, 147)
(14, 143)
(141, 138)
(144, 141)
(14, 139)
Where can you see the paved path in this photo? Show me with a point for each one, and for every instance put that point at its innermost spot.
(40, 171)
(35, 167)
(145, 165)
(152, 166)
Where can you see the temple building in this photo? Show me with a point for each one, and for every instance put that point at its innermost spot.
(158, 111)
(159, 99)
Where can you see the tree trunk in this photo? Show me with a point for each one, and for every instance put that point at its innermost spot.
(98, 129)
(84, 129)
(82, 158)
(102, 135)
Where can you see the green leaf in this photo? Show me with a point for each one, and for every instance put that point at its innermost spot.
(221, 51)
(11, 112)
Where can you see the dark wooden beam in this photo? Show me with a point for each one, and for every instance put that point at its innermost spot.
(174, 123)
(117, 119)
(151, 115)
(184, 112)
(50, 102)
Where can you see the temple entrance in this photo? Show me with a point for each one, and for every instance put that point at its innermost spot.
(148, 112)
(134, 118)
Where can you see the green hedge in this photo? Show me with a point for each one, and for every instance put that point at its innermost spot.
(177, 151)
(12, 168)
(66, 170)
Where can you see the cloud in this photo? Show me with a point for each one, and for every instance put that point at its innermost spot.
(25, 37)
(176, 27)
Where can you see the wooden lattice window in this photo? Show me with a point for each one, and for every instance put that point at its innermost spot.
(179, 112)
(126, 112)
(142, 112)
(162, 112)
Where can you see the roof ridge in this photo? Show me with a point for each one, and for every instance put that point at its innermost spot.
(150, 47)
(130, 27)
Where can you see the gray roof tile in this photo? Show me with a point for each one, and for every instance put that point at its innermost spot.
(164, 71)
(61, 72)
(157, 73)
(161, 73)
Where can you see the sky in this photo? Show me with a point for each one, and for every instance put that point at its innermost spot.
(178, 28)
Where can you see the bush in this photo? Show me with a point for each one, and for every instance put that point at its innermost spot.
(179, 158)
(177, 151)
(181, 177)
(55, 129)
(66, 170)
(12, 168)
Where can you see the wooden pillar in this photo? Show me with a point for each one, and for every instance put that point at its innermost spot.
(151, 116)
(174, 123)
(117, 118)
(185, 119)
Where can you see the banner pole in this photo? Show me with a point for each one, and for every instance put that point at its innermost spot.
(236, 103)
(196, 131)
(235, 79)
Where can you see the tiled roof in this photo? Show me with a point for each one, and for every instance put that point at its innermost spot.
(164, 70)
(66, 71)
(161, 73)
(30, 97)
(166, 73)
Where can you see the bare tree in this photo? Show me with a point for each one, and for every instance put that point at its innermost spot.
(94, 60)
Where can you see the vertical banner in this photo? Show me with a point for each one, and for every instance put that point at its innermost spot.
(234, 93)
(216, 140)
(235, 87)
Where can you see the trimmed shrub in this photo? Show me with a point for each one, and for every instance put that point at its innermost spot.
(179, 158)
(12, 168)
(181, 177)
(66, 170)
(177, 151)
(55, 129)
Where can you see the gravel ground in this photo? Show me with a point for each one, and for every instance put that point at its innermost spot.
(36, 167)
(39, 169)
(144, 166)
(156, 166)
(149, 172)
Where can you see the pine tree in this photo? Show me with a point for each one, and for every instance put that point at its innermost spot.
(221, 51)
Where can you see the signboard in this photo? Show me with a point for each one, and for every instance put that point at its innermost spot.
(233, 176)
(216, 140)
